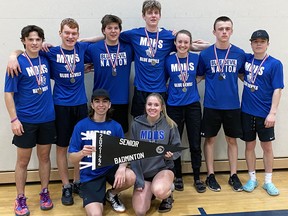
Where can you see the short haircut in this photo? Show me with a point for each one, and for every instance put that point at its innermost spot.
(150, 4)
(108, 19)
(31, 28)
(71, 23)
(223, 19)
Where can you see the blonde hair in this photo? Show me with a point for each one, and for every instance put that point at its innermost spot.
(170, 122)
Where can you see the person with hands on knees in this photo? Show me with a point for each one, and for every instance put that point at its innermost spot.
(93, 182)
(263, 84)
(154, 176)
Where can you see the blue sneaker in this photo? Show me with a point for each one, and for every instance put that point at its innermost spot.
(250, 185)
(271, 189)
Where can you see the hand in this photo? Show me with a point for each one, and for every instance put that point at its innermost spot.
(87, 150)
(119, 181)
(270, 120)
(88, 68)
(139, 189)
(17, 128)
(168, 154)
(45, 47)
(13, 66)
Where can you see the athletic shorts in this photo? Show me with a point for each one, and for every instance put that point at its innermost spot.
(41, 134)
(214, 118)
(95, 190)
(139, 101)
(66, 118)
(253, 125)
(120, 114)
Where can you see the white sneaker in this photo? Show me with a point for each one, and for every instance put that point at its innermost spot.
(115, 202)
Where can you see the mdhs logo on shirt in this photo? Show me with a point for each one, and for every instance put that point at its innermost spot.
(152, 135)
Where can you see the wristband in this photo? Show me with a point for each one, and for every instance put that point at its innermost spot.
(13, 120)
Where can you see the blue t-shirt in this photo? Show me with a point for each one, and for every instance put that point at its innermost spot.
(269, 77)
(221, 94)
(87, 126)
(32, 107)
(148, 77)
(176, 95)
(117, 86)
(66, 93)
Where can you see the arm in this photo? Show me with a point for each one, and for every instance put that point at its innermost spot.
(92, 39)
(271, 117)
(199, 45)
(13, 66)
(16, 125)
(76, 157)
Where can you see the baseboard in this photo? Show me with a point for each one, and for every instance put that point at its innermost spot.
(220, 166)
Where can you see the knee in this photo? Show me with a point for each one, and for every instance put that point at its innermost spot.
(161, 193)
(130, 178)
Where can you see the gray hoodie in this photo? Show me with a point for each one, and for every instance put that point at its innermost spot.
(160, 132)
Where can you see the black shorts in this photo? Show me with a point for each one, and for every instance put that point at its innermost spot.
(253, 125)
(139, 101)
(214, 118)
(41, 134)
(95, 190)
(66, 118)
(120, 114)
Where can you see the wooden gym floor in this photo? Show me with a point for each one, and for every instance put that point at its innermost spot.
(187, 202)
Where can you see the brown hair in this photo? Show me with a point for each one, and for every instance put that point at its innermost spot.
(71, 23)
(151, 4)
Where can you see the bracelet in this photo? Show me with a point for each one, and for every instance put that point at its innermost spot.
(13, 120)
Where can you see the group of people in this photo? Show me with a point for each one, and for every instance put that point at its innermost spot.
(40, 118)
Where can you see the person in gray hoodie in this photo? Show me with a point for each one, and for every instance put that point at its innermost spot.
(154, 176)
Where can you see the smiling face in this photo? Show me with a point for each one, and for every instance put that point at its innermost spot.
(69, 37)
(153, 108)
(33, 44)
(182, 43)
(112, 32)
(100, 105)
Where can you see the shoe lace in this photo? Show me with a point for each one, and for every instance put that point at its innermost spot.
(66, 192)
(45, 196)
(115, 200)
(22, 202)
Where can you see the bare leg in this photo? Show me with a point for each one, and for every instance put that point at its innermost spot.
(43, 153)
(209, 154)
(232, 154)
(62, 164)
(23, 158)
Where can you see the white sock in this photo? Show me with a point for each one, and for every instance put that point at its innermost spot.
(268, 178)
(252, 175)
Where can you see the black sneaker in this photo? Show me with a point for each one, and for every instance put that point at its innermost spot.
(212, 183)
(77, 189)
(178, 183)
(235, 183)
(166, 204)
(67, 198)
(199, 186)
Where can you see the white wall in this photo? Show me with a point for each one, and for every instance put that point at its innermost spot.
(197, 16)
